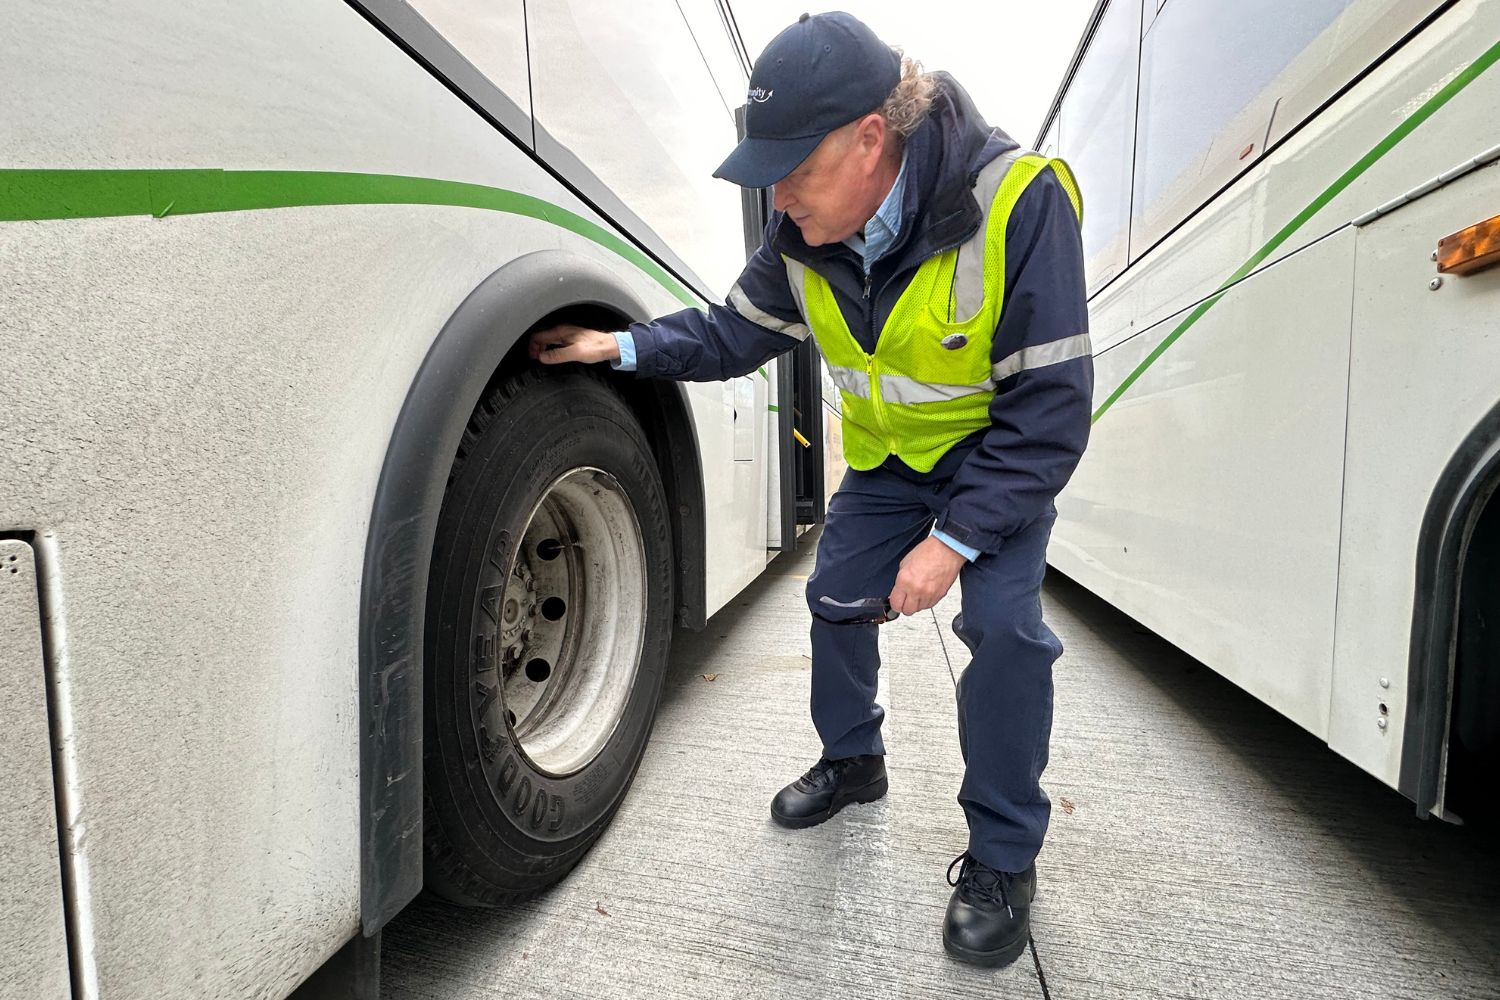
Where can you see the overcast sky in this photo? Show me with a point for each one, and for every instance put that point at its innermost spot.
(1010, 56)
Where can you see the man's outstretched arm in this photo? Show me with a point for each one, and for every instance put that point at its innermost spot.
(759, 320)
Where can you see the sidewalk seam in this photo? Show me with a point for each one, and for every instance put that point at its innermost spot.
(944, 645)
(1041, 977)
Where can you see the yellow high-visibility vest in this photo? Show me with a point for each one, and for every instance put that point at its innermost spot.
(930, 381)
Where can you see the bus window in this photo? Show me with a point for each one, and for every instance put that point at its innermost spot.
(707, 20)
(1364, 32)
(1048, 145)
(624, 88)
(1208, 84)
(1097, 139)
(491, 34)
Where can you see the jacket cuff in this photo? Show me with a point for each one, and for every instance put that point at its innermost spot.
(974, 538)
(643, 350)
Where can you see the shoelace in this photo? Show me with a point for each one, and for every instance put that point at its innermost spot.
(815, 773)
(979, 880)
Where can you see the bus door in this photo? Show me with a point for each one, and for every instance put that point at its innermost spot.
(797, 430)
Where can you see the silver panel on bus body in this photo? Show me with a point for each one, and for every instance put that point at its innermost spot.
(33, 940)
(201, 422)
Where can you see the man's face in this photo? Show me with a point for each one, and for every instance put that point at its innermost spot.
(834, 192)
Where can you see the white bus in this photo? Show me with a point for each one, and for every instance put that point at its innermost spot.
(302, 563)
(1296, 432)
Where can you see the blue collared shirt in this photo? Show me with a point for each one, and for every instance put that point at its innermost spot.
(884, 226)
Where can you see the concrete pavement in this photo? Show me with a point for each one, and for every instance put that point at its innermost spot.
(1201, 845)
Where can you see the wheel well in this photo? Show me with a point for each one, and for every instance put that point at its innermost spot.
(1474, 728)
(484, 336)
(1452, 727)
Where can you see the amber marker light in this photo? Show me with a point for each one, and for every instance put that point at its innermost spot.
(1470, 250)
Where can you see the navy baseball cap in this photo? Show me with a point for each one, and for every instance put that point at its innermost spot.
(817, 75)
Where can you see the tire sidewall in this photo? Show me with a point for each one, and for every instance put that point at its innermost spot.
(512, 814)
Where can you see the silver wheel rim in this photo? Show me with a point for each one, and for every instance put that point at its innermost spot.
(569, 623)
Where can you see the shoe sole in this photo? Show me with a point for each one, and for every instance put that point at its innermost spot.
(989, 959)
(868, 793)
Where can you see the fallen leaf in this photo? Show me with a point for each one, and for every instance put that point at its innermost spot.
(525, 954)
(598, 908)
(710, 677)
(1067, 806)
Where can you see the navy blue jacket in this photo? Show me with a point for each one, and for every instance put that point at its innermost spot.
(1005, 476)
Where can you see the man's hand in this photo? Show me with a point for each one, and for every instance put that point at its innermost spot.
(566, 342)
(927, 574)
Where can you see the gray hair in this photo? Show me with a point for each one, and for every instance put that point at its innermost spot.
(909, 102)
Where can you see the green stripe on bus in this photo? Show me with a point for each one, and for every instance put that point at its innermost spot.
(34, 195)
(1401, 131)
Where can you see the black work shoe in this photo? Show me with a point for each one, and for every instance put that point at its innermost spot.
(989, 916)
(828, 787)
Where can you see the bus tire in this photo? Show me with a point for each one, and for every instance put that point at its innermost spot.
(549, 616)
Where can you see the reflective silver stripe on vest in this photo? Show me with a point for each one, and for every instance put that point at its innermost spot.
(740, 303)
(851, 380)
(1043, 355)
(796, 278)
(968, 271)
(900, 389)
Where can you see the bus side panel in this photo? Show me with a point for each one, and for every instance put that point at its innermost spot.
(1207, 504)
(33, 942)
(201, 417)
(1423, 374)
(1104, 509)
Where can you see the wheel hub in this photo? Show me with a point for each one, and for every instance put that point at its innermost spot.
(518, 608)
(567, 629)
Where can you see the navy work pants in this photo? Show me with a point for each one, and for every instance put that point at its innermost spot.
(1004, 693)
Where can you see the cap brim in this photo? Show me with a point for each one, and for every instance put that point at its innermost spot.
(759, 163)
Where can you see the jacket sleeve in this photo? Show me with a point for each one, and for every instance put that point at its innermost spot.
(1039, 418)
(758, 321)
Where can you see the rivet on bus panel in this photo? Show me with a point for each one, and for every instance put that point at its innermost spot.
(1385, 682)
(1435, 283)
(1380, 723)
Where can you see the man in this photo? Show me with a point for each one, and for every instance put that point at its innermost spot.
(941, 272)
